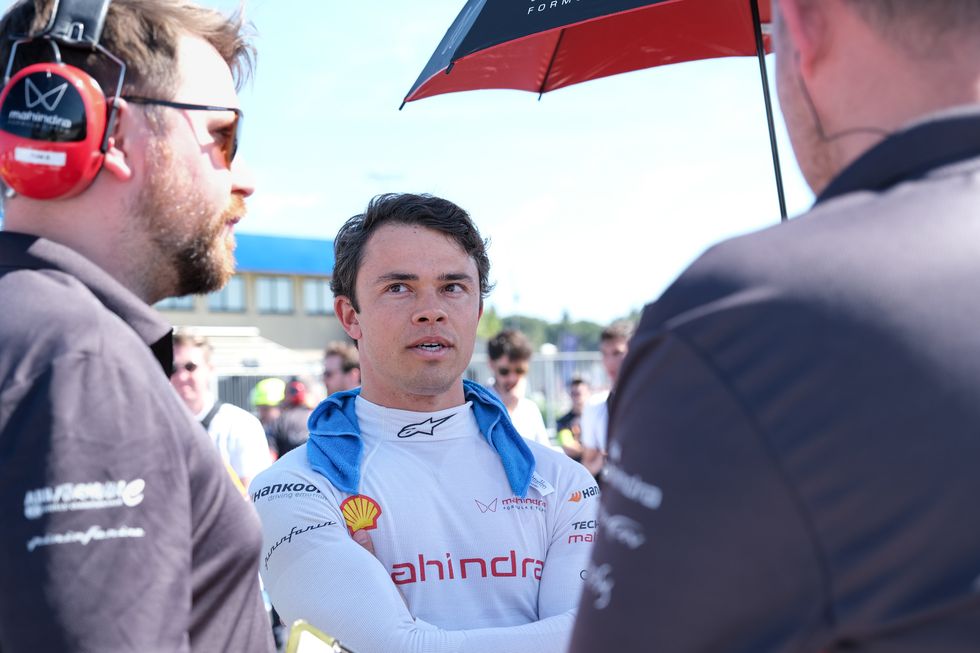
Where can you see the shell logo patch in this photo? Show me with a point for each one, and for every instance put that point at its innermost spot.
(360, 512)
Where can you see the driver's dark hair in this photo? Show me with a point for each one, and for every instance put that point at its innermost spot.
(404, 209)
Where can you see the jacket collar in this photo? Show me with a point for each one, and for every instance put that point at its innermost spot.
(912, 153)
(25, 251)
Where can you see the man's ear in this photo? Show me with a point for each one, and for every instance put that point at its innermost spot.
(805, 24)
(117, 159)
(345, 312)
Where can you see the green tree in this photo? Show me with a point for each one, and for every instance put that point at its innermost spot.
(490, 324)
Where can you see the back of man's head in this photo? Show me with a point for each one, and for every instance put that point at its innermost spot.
(920, 26)
(849, 73)
(509, 343)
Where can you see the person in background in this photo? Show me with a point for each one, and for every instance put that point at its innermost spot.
(797, 424)
(266, 398)
(236, 433)
(121, 530)
(614, 342)
(509, 356)
(569, 425)
(341, 367)
(290, 430)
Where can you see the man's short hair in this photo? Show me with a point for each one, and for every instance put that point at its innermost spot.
(618, 330)
(919, 25)
(190, 339)
(347, 354)
(576, 381)
(143, 33)
(404, 209)
(510, 343)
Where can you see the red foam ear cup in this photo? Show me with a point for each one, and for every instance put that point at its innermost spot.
(52, 121)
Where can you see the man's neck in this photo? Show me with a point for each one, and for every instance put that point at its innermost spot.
(96, 234)
(204, 403)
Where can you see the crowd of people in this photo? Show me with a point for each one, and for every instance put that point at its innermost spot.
(786, 451)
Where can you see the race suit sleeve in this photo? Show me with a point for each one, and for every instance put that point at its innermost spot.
(313, 570)
(701, 545)
(571, 544)
(95, 549)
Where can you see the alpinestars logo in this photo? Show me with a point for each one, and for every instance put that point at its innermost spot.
(49, 100)
(427, 427)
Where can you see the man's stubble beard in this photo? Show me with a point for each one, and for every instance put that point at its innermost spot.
(185, 229)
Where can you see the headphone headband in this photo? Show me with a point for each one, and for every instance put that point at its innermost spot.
(77, 23)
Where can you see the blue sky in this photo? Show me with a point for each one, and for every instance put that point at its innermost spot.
(594, 198)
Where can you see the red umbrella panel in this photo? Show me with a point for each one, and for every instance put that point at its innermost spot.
(544, 45)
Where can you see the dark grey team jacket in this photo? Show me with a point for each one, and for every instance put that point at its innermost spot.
(795, 439)
(121, 530)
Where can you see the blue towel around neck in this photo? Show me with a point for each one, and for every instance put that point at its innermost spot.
(335, 448)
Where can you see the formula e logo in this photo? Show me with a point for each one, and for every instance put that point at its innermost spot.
(49, 100)
(427, 427)
(487, 507)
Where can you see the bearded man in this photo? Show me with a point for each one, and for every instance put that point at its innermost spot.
(122, 530)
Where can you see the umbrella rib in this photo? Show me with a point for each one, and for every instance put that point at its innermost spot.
(551, 62)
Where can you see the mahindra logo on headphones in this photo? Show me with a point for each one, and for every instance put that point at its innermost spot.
(49, 100)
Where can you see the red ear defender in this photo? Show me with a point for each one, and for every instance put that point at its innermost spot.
(52, 123)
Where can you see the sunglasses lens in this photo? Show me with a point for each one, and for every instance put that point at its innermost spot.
(190, 367)
(231, 149)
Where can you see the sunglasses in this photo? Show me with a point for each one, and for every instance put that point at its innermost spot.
(230, 147)
(190, 367)
(505, 371)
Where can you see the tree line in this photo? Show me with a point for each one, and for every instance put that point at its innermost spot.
(566, 335)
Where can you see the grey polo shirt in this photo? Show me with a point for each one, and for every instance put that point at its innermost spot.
(794, 460)
(121, 528)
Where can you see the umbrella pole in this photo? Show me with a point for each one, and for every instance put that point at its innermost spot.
(761, 53)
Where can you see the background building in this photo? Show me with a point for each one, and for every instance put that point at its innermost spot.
(272, 319)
